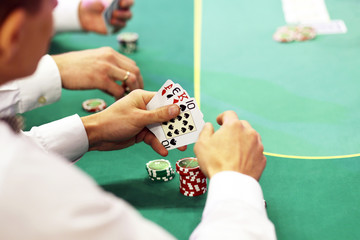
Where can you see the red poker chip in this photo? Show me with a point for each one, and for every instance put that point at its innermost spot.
(194, 188)
(196, 175)
(196, 181)
(190, 163)
(192, 193)
(193, 182)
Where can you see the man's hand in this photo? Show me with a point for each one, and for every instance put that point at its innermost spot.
(236, 146)
(124, 123)
(91, 15)
(98, 69)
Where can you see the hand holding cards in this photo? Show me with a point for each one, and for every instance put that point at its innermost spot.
(185, 128)
(116, 14)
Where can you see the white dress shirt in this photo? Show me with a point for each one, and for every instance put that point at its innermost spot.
(66, 16)
(43, 197)
(43, 88)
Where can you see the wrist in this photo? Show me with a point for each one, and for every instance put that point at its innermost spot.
(81, 19)
(91, 125)
(58, 59)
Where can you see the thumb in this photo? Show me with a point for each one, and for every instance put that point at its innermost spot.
(162, 114)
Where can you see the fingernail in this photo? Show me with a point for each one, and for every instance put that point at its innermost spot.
(173, 110)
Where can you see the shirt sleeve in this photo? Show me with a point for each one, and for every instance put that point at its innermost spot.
(234, 210)
(25, 94)
(43, 197)
(66, 16)
(66, 137)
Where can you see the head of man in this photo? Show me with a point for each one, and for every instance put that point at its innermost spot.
(25, 33)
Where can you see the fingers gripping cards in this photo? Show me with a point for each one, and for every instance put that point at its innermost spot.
(183, 129)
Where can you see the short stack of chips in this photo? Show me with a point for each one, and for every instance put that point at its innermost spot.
(192, 180)
(128, 42)
(94, 105)
(294, 33)
(160, 170)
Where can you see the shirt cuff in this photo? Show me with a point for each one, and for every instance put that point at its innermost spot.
(66, 16)
(228, 185)
(41, 88)
(66, 137)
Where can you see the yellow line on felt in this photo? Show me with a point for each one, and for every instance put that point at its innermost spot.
(197, 70)
(310, 157)
(197, 48)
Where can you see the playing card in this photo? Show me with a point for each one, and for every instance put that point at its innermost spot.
(114, 5)
(158, 100)
(182, 130)
(178, 94)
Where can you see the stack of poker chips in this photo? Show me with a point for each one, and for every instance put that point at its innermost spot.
(192, 180)
(160, 170)
(294, 33)
(128, 42)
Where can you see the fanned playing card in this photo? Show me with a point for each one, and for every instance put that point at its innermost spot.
(114, 5)
(183, 129)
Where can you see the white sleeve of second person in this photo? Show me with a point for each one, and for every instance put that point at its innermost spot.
(41, 88)
(66, 137)
(234, 210)
(66, 16)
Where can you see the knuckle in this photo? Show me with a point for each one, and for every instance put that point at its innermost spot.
(136, 70)
(108, 52)
(131, 80)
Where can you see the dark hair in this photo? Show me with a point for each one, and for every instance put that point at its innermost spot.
(7, 6)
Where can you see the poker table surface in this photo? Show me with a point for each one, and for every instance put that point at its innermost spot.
(302, 97)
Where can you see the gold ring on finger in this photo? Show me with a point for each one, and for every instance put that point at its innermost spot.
(126, 76)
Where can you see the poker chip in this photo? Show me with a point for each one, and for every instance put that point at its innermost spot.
(305, 33)
(128, 42)
(286, 34)
(192, 181)
(160, 170)
(94, 105)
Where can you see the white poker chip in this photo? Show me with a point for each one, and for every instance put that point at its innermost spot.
(94, 105)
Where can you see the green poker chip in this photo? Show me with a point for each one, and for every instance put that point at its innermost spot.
(160, 170)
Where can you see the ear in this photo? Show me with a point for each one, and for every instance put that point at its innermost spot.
(11, 32)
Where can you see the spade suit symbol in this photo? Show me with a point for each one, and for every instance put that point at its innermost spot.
(169, 134)
(179, 117)
(173, 142)
(169, 96)
(183, 129)
(172, 120)
(171, 127)
(186, 115)
(164, 123)
(185, 122)
(177, 132)
(191, 127)
(182, 107)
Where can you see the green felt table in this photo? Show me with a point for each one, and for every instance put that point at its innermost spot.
(301, 97)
